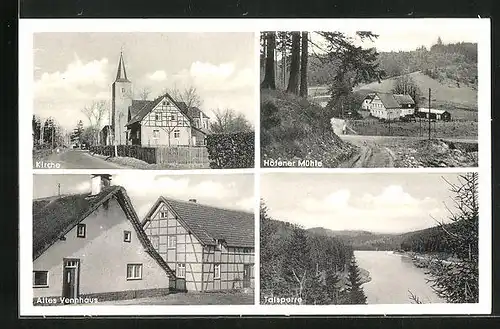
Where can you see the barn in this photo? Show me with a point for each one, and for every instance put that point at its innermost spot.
(210, 248)
(435, 114)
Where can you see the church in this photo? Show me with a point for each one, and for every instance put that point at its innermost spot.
(163, 121)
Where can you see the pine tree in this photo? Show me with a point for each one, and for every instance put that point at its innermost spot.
(354, 289)
(298, 267)
(331, 286)
(269, 81)
(458, 282)
(293, 81)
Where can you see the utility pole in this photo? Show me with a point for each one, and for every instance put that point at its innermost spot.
(429, 114)
(58, 189)
(53, 127)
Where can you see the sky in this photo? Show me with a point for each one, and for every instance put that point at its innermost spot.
(413, 34)
(382, 203)
(231, 191)
(73, 69)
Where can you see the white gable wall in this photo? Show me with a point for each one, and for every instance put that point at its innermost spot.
(103, 257)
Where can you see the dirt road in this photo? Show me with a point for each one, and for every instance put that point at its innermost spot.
(378, 151)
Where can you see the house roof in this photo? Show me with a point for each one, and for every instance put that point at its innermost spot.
(209, 223)
(54, 217)
(435, 111)
(389, 101)
(403, 99)
(137, 106)
(194, 112)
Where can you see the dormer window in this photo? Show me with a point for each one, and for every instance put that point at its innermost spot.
(81, 230)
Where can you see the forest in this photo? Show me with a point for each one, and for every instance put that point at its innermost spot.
(295, 263)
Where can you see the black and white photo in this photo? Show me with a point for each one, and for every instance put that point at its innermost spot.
(369, 238)
(133, 239)
(396, 95)
(143, 100)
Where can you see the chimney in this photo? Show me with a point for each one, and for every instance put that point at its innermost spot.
(192, 200)
(99, 182)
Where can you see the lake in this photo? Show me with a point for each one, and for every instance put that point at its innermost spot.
(392, 275)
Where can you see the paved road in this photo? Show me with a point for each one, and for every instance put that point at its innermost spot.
(76, 159)
(374, 152)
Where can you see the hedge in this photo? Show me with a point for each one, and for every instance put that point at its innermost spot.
(235, 150)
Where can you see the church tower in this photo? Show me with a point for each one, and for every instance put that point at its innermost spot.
(121, 99)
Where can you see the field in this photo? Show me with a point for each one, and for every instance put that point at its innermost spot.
(439, 129)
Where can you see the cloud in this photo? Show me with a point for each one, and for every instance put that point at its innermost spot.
(247, 204)
(62, 94)
(335, 200)
(158, 76)
(391, 210)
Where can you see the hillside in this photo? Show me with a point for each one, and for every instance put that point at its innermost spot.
(445, 94)
(363, 240)
(294, 129)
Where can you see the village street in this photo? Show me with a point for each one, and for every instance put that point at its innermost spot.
(74, 159)
(376, 151)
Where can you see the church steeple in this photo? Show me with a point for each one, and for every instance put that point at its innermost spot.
(121, 74)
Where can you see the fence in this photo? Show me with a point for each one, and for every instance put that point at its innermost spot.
(192, 155)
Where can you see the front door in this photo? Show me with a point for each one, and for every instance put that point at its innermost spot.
(246, 275)
(71, 278)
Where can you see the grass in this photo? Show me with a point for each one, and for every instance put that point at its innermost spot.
(192, 298)
(41, 154)
(292, 128)
(441, 129)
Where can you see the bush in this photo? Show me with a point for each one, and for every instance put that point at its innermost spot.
(235, 150)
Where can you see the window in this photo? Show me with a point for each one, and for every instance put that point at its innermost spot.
(127, 236)
(172, 117)
(134, 271)
(217, 271)
(157, 117)
(123, 90)
(81, 230)
(156, 134)
(164, 103)
(176, 133)
(172, 241)
(181, 270)
(246, 250)
(40, 279)
(163, 214)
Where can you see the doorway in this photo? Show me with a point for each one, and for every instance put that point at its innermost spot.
(246, 275)
(71, 278)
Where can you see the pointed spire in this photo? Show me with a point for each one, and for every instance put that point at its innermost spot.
(121, 74)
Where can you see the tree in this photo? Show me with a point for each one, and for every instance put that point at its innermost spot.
(354, 289)
(228, 121)
(95, 112)
(298, 263)
(293, 81)
(144, 93)
(36, 126)
(269, 81)
(407, 86)
(76, 136)
(458, 282)
(331, 285)
(303, 64)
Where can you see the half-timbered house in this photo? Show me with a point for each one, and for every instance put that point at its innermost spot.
(160, 122)
(164, 121)
(92, 245)
(391, 106)
(210, 248)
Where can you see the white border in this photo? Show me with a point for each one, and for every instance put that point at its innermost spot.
(29, 26)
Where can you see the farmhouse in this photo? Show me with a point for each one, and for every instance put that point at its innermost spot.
(435, 114)
(92, 245)
(163, 121)
(391, 106)
(210, 248)
(366, 102)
